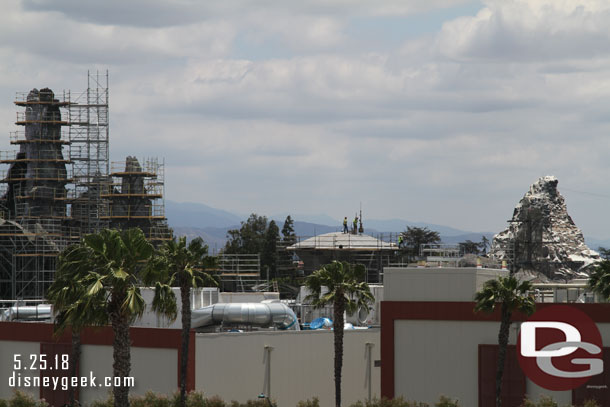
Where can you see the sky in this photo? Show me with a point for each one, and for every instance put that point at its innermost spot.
(443, 111)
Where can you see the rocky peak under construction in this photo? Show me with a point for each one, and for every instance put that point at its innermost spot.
(542, 237)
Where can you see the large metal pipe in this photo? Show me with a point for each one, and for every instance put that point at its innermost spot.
(31, 312)
(250, 313)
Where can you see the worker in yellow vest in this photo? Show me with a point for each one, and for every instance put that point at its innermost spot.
(345, 230)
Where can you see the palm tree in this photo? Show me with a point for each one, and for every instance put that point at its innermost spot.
(106, 266)
(346, 291)
(181, 264)
(599, 279)
(416, 237)
(62, 294)
(511, 295)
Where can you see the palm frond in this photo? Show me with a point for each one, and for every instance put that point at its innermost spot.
(344, 283)
(505, 291)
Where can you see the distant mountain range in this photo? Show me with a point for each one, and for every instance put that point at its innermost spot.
(196, 219)
(198, 215)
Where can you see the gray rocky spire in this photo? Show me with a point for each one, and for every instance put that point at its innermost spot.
(542, 237)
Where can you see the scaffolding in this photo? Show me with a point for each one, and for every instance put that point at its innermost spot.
(34, 190)
(27, 259)
(89, 153)
(239, 272)
(136, 196)
(309, 253)
(59, 186)
(52, 190)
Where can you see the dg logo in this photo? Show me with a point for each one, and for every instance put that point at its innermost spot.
(560, 348)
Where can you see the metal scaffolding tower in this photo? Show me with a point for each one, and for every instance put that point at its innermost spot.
(34, 227)
(50, 195)
(136, 194)
(89, 152)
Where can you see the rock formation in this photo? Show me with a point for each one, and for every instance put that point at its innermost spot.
(542, 237)
(37, 176)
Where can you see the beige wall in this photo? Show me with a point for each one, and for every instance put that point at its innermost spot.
(200, 297)
(435, 284)
(434, 358)
(153, 369)
(8, 349)
(231, 365)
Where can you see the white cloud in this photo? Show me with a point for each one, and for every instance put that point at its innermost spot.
(450, 127)
(161, 13)
(526, 30)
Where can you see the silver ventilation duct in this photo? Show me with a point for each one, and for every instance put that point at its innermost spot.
(260, 314)
(26, 312)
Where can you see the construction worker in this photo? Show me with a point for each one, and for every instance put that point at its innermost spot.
(345, 230)
(400, 241)
(356, 224)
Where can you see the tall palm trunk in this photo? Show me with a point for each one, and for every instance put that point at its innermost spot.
(338, 324)
(121, 354)
(503, 342)
(185, 294)
(74, 363)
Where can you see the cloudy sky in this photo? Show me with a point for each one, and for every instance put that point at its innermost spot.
(442, 111)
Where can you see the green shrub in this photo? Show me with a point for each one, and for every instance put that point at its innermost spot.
(3, 403)
(21, 399)
(196, 399)
(543, 401)
(397, 402)
(309, 403)
(253, 403)
(109, 402)
(590, 403)
(151, 399)
(446, 402)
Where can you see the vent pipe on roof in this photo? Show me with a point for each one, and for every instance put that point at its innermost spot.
(260, 314)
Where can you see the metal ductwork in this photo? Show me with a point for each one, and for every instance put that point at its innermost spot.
(26, 312)
(260, 314)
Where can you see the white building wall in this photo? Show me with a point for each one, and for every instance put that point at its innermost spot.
(435, 284)
(232, 365)
(230, 297)
(200, 297)
(434, 358)
(153, 369)
(8, 350)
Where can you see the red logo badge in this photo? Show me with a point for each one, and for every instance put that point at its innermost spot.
(560, 348)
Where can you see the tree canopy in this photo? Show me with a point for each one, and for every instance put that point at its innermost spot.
(98, 282)
(180, 264)
(416, 237)
(288, 235)
(470, 247)
(604, 253)
(599, 279)
(256, 236)
(341, 285)
(510, 295)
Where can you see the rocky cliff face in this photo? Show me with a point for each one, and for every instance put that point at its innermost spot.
(542, 237)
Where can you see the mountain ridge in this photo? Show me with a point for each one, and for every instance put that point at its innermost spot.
(196, 219)
(212, 224)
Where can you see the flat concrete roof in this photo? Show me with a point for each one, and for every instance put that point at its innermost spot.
(343, 241)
